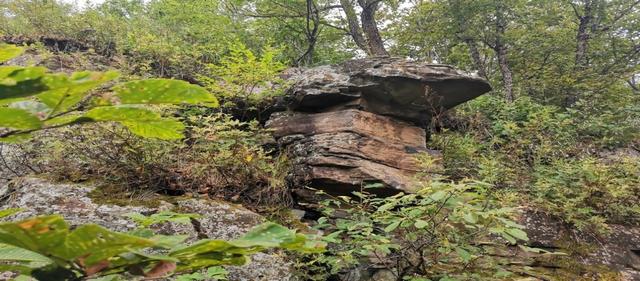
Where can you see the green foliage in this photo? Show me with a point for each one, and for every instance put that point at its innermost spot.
(35, 100)
(220, 156)
(164, 216)
(213, 273)
(430, 234)
(8, 52)
(589, 192)
(43, 247)
(242, 77)
(546, 155)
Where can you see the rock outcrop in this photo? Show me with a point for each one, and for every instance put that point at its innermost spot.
(617, 251)
(219, 220)
(363, 121)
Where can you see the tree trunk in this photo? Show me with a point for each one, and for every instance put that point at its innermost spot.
(478, 64)
(505, 70)
(583, 36)
(370, 27)
(501, 52)
(311, 32)
(354, 26)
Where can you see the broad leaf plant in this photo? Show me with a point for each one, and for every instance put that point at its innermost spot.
(45, 248)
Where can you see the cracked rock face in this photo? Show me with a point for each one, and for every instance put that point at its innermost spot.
(363, 121)
(219, 220)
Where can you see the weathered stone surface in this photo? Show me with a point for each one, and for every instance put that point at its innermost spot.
(219, 220)
(394, 87)
(339, 151)
(363, 121)
(618, 251)
(356, 121)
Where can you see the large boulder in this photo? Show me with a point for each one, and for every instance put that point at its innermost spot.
(219, 220)
(404, 89)
(363, 121)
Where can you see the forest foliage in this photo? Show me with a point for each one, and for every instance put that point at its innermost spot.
(560, 132)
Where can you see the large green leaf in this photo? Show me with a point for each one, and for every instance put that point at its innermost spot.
(10, 211)
(19, 119)
(122, 114)
(166, 129)
(18, 83)
(94, 244)
(45, 235)
(142, 122)
(8, 52)
(67, 91)
(17, 254)
(266, 235)
(12, 75)
(163, 91)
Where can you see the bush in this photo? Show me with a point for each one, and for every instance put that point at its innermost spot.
(221, 156)
(548, 155)
(589, 192)
(429, 235)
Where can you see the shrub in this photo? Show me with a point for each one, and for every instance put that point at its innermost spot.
(589, 192)
(243, 79)
(221, 156)
(548, 155)
(432, 234)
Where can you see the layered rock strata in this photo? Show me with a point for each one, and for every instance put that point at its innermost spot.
(364, 121)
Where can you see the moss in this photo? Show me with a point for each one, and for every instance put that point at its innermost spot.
(114, 195)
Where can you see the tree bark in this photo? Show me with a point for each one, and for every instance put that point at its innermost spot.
(370, 27)
(501, 52)
(311, 32)
(354, 26)
(478, 64)
(505, 70)
(582, 35)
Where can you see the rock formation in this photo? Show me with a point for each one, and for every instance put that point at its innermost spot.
(363, 121)
(77, 204)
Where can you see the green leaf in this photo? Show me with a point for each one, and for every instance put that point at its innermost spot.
(8, 52)
(94, 243)
(163, 91)
(67, 91)
(17, 83)
(17, 254)
(217, 273)
(16, 138)
(470, 218)
(438, 195)
(420, 224)
(161, 129)
(392, 226)
(517, 233)
(19, 119)
(122, 114)
(508, 237)
(44, 235)
(463, 254)
(142, 122)
(266, 235)
(10, 211)
(33, 107)
(12, 75)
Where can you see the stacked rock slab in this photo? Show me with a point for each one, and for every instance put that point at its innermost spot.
(363, 121)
